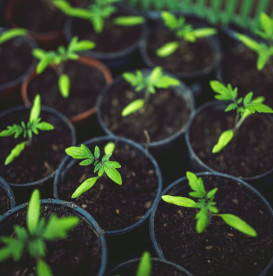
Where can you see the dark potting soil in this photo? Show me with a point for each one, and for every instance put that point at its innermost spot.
(165, 114)
(158, 269)
(220, 250)
(78, 254)
(188, 58)
(38, 16)
(115, 206)
(86, 83)
(113, 38)
(4, 201)
(42, 157)
(239, 67)
(16, 59)
(250, 153)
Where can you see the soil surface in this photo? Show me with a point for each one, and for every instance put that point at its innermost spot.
(42, 157)
(235, 63)
(38, 16)
(112, 39)
(115, 206)
(158, 269)
(4, 201)
(220, 250)
(79, 254)
(16, 59)
(164, 114)
(188, 58)
(86, 83)
(250, 153)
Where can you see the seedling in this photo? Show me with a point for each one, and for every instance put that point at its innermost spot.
(102, 165)
(148, 84)
(56, 60)
(97, 13)
(183, 32)
(263, 49)
(32, 238)
(26, 130)
(243, 106)
(206, 205)
(145, 265)
(10, 34)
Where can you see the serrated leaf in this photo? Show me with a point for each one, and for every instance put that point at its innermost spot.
(80, 152)
(179, 201)
(133, 107)
(33, 211)
(196, 183)
(224, 139)
(85, 186)
(238, 224)
(113, 174)
(167, 49)
(145, 265)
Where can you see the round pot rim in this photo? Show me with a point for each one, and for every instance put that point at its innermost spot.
(196, 158)
(84, 60)
(7, 188)
(46, 36)
(158, 260)
(30, 42)
(66, 122)
(213, 42)
(80, 213)
(183, 90)
(67, 161)
(110, 55)
(154, 241)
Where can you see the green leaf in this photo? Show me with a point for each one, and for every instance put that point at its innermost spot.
(113, 164)
(167, 81)
(33, 211)
(9, 34)
(238, 224)
(39, 53)
(64, 85)
(129, 20)
(58, 228)
(169, 20)
(36, 109)
(223, 92)
(202, 221)
(45, 126)
(211, 193)
(196, 183)
(230, 107)
(14, 248)
(83, 45)
(97, 152)
(43, 269)
(248, 42)
(5, 253)
(145, 265)
(204, 32)
(133, 107)
(85, 186)
(36, 248)
(109, 148)
(81, 152)
(263, 57)
(224, 139)
(86, 162)
(167, 49)
(113, 174)
(15, 152)
(179, 201)
(267, 25)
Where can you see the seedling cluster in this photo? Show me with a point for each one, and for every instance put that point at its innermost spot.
(102, 165)
(204, 201)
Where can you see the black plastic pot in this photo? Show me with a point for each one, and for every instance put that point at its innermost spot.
(114, 60)
(45, 182)
(200, 77)
(121, 268)
(262, 181)
(179, 190)
(75, 210)
(8, 89)
(67, 163)
(8, 191)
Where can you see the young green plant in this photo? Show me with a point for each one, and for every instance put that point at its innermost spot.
(263, 49)
(183, 32)
(243, 106)
(204, 202)
(102, 165)
(56, 60)
(32, 239)
(97, 13)
(11, 33)
(145, 265)
(26, 130)
(148, 84)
